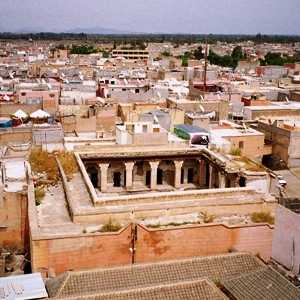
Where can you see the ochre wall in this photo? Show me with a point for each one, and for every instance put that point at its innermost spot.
(14, 221)
(109, 249)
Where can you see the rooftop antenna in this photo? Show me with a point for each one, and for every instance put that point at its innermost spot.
(205, 64)
(5, 97)
(201, 108)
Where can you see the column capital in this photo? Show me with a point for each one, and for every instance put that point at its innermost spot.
(103, 167)
(129, 165)
(178, 163)
(154, 164)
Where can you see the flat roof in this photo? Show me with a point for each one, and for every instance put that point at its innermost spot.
(190, 128)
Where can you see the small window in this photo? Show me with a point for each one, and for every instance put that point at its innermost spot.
(23, 94)
(51, 95)
(241, 144)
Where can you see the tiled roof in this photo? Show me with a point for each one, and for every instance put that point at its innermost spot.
(129, 277)
(201, 289)
(264, 283)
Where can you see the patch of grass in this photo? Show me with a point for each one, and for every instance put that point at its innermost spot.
(69, 164)
(263, 216)
(111, 226)
(235, 151)
(206, 217)
(39, 194)
(44, 162)
(157, 225)
(84, 230)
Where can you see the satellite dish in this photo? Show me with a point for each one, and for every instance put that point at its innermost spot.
(158, 94)
(81, 77)
(67, 81)
(101, 100)
(201, 97)
(11, 75)
(63, 75)
(245, 127)
(49, 86)
(155, 119)
(6, 98)
(43, 81)
(138, 81)
(201, 108)
(1, 79)
(218, 96)
(287, 99)
(79, 73)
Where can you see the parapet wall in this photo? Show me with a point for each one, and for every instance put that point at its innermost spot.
(92, 250)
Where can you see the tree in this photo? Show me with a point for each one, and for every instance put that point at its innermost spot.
(198, 53)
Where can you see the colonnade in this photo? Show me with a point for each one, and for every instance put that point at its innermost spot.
(208, 176)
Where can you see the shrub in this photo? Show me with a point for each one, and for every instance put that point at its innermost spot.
(44, 162)
(111, 225)
(39, 194)
(263, 216)
(207, 218)
(84, 230)
(235, 151)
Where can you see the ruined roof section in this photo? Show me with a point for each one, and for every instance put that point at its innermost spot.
(264, 283)
(129, 277)
(202, 289)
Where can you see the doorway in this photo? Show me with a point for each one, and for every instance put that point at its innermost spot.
(159, 176)
(117, 179)
(190, 175)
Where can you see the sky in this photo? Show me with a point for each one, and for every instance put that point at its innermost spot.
(154, 16)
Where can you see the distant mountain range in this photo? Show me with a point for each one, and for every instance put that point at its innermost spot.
(93, 30)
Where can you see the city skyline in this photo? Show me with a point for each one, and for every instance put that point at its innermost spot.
(162, 16)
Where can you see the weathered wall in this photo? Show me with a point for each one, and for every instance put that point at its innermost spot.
(81, 252)
(178, 242)
(15, 135)
(108, 249)
(14, 221)
(286, 242)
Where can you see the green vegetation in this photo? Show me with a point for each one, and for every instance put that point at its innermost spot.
(84, 230)
(139, 39)
(206, 217)
(111, 226)
(165, 53)
(263, 216)
(43, 162)
(227, 60)
(235, 151)
(82, 49)
(276, 59)
(39, 194)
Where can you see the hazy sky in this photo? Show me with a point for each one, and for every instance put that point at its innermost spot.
(151, 16)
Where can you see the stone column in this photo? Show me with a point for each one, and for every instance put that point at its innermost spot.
(129, 167)
(153, 181)
(178, 165)
(202, 173)
(210, 183)
(221, 180)
(103, 177)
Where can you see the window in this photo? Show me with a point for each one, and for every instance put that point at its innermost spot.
(241, 144)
